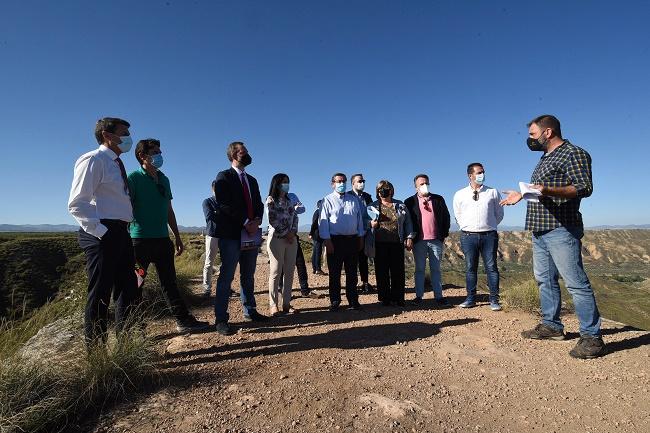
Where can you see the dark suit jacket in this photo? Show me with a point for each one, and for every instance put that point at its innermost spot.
(210, 210)
(440, 211)
(232, 207)
(367, 198)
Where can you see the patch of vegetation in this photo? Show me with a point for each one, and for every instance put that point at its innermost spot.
(627, 278)
(523, 296)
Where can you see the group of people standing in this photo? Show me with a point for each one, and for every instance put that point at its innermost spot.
(124, 222)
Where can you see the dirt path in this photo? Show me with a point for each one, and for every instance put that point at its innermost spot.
(386, 369)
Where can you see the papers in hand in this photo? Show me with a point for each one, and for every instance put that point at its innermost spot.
(373, 213)
(529, 193)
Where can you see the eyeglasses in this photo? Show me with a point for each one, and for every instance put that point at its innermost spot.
(475, 197)
(426, 205)
(161, 190)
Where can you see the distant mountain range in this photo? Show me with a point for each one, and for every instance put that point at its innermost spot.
(52, 228)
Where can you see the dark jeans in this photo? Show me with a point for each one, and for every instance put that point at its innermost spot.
(486, 244)
(110, 266)
(346, 253)
(301, 268)
(363, 266)
(160, 252)
(316, 255)
(389, 270)
(231, 254)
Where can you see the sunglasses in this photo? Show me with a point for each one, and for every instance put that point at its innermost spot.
(426, 205)
(475, 197)
(161, 190)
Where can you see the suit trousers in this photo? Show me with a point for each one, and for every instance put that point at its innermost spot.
(110, 266)
(389, 269)
(346, 253)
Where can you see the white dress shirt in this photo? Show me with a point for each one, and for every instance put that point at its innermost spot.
(478, 216)
(97, 191)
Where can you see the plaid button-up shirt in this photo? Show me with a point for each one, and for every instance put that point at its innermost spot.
(566, 165)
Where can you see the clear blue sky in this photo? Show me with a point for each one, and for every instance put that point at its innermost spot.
(388, 88)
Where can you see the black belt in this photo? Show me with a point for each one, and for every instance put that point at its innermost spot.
(478, 233)
(114, 223)
(344, 236)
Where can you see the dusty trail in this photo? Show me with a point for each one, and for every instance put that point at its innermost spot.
(386, 369)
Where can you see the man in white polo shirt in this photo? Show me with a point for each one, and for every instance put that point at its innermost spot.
(477, 212)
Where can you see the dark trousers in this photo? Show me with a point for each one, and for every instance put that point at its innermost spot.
(363, 266)
(110, 267)
(316, 255)
(160, 252)
(346, 253)
(301, 269)
(389, 270)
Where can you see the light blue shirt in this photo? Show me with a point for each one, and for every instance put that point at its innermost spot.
(340, 215)
(294, 200)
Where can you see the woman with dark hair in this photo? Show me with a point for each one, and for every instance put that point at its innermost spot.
(391, 227)
(281, 244)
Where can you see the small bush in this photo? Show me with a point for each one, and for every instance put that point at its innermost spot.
(523, 296)
(628, 278)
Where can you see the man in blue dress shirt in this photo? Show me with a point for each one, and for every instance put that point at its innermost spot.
(341, 228)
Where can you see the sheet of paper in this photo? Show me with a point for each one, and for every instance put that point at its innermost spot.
(529, 193)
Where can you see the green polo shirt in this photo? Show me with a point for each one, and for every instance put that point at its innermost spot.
(149, 205)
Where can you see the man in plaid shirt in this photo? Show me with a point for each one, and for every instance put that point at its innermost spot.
(563, 177)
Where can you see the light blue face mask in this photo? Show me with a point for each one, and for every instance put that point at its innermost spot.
(480, 178)
(157, 160)
(284, 187)
(340, 187)
(126, 143)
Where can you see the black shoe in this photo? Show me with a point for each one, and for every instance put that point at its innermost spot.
(305, 294)
(441, 302)
(255, 317)
(588, 348)
(334, 306)
(234, 294)
(319, 272)
(356, 307)
(367, 288)
(544, 332)
(400, 303)
(416, 301)
(190, 325)
(223, 328)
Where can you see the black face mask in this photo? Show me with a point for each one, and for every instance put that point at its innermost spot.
(536, 145)
(384, 193)
(246, 160)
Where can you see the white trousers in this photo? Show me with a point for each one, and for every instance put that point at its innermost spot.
(282, 256)
(211, 250)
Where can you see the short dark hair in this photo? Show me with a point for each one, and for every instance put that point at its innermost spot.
(144, 146)
(547, 121)
(214, 185)
(470, 167)
(232, 148)
(384, 184)
(108, 124)
(276, 181)
(339, 174)
(355, 175)
(417, 176)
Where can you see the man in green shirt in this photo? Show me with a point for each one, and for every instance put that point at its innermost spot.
(151, 197)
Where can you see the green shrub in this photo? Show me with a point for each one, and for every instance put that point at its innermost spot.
(627, 278)
(523, 296)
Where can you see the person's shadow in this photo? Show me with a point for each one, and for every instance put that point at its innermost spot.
(353, 338)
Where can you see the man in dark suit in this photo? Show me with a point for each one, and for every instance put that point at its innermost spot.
(430, 218)
(317, 250)
(358, 185)
(240, 209)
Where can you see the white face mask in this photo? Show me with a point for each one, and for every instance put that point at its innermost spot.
(479, 178)
(359, 186)
(126, 143)
(423, 189)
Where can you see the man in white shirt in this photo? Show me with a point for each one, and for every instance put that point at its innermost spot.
(477, 212)
(100, 202)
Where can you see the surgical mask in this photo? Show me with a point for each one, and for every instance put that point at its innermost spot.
(384, 193)
(340, 187)
(246, 160)
(424, 189)
(480, 178)
(126, 143)
(284, 187)
(156, 160)
(537, 144)
(360, 186)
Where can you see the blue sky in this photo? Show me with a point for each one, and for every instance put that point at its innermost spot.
(388, 88)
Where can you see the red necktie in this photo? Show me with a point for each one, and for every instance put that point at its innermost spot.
(123, 172)
(247, 196)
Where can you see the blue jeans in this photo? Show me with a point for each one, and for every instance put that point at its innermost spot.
(557, 253)
(486, 244)
(230, 256)
(432, 250)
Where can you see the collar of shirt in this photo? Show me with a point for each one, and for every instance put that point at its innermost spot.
(108, 152)
(423, 199)
(239, 172)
